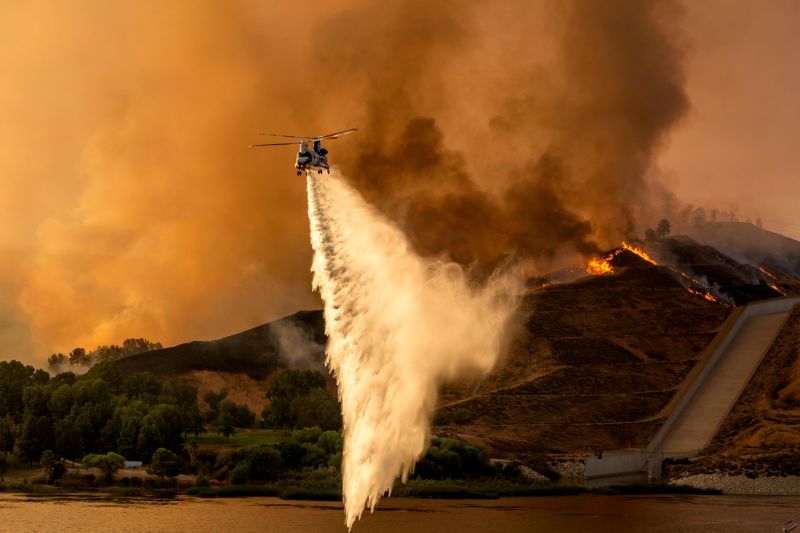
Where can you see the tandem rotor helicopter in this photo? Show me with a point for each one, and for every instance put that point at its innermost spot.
(307, 159)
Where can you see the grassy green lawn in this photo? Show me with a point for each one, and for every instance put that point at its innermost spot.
(242, 437)
(16, 476)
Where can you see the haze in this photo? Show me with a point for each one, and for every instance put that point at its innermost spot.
(130, 206)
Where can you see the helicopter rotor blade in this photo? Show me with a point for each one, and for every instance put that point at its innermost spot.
(335, 135)
(305, 137)
(271, 144)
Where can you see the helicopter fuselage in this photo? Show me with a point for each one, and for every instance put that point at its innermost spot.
(307, 159)
(315, 158)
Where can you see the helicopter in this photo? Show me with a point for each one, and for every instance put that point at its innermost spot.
(307, 159)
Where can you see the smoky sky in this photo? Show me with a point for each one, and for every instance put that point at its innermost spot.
(131, 207)
(578, 131)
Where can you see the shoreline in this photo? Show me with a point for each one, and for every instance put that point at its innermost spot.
(742, 485)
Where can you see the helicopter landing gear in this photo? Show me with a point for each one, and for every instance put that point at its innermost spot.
(329, 171)
(319, 172)
(298, 172)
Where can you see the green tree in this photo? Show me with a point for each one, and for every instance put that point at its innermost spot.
(14, 377)
(142, 385)
(164, 463)
(149, 440)
(317, 408)
(108, 372)
(79, 357)
(264, 463)
(225, 418)
(213, 399)
(6, 435)
(331, 442)
(108, 463)
(56, 362)
(47, 461)
(5, 465)
(134, 346)
(298, 398)
(36, 437)
(183, 395)
(67, 439)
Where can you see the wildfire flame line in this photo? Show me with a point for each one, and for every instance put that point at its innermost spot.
(638, 251)
(707, 295)
(597, 266)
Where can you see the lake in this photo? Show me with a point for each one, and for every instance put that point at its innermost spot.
(587, 513)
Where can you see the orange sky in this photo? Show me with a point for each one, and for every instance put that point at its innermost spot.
(738, 147)
(130, 207)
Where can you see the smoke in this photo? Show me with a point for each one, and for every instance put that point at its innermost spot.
(398, 326)
(487, 131)
(570, 141)
(298, 345)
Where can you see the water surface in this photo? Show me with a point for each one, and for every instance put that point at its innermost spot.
(586, 513)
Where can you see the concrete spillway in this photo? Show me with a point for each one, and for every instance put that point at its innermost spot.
(709, 393)
(694, 428)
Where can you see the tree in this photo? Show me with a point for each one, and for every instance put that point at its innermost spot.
(288, 396)
(14, 377)
(759, 222)
(47, 461)
(225, 418)
(317, 408)
(56, 362)
(108, 463)
(79, 357)
(134, 346)
(6, 436)
(663, 228)
(68, 439)
(183, 394)
(699, 216)
(5, 465)
(649, 234)
(142, 385)
(331, 442)
(164, 463)
(36, 437)
(149, 440)
(264, 463)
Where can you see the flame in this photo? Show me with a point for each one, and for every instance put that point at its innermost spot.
(707, 295)
(601, 265)
(777, 289)
(597, 266)
(764, 271)
(638, 251)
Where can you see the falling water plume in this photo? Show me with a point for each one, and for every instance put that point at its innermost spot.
(398, 326)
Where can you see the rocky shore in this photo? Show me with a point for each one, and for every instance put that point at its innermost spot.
(740, 484)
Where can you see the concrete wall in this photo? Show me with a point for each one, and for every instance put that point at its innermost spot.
(764, 307)
(625, 462)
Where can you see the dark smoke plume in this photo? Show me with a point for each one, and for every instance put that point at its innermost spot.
(578, 146)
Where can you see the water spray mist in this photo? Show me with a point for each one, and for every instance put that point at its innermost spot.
(398, 326)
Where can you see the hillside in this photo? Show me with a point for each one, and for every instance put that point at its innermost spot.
(241, 363)
(297, 340)
(751, 244)
(594, 364)
(591, 363)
